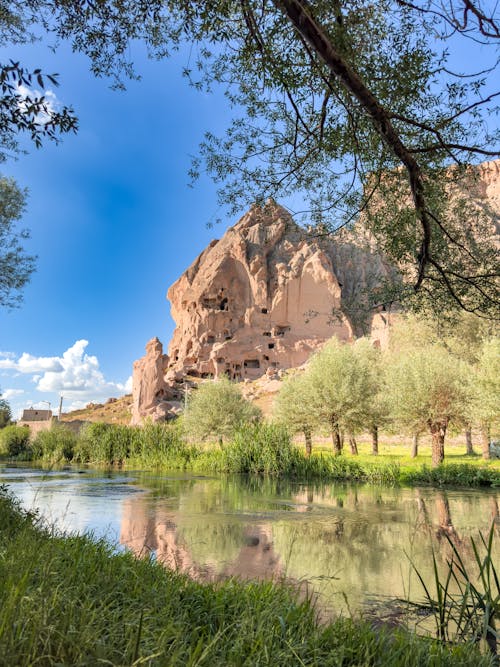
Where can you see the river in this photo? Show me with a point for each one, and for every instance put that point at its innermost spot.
(351, 546)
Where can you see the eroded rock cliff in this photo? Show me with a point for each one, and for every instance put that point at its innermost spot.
(264, 297)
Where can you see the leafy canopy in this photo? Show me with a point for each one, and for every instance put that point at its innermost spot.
(16, 266)
(355, 106)
(426, 387)
(342, 386)
(217, 408)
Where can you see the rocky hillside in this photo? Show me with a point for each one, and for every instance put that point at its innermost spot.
(113, 411)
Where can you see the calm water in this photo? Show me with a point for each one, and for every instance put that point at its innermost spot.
(336, 540)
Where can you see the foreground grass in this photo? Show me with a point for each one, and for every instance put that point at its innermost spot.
(75, 601)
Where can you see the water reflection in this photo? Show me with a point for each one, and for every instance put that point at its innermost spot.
(343, 542)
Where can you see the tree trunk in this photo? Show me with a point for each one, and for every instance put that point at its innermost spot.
(353, 445)
(336, 442)
(438, 432)
(414, 446)
(308, 439)
(469, 450)
(485, 441)
(375, 440)
(221, 442)
(342, 434)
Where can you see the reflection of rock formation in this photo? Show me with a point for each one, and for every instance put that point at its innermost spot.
(145, 532)
(256, 559)
(154, 531)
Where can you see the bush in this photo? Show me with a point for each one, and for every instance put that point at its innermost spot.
(56, 444)
(459, 474)
(217, 409)
(14, 441)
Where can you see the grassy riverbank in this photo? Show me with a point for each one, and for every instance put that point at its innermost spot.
(259, 449)
(74, 601)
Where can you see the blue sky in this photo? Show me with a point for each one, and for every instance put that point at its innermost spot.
(113, 223)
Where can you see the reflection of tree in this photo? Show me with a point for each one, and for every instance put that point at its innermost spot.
(339, 538)
(495, 514)
(445, 528)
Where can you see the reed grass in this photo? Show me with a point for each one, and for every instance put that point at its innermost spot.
(466, 605)
(77, 601)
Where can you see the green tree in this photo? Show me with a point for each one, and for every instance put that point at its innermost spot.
(376, 408)
(293, 406)
(218, 408)
(462, 334)
(16, 266)
(340, 389)
(5, 413)
(352, 123)
(426, 389)
(485, 406)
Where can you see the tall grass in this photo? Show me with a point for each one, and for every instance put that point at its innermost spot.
(75, 601)
(54, 445)
(472, 612)
(459, 474)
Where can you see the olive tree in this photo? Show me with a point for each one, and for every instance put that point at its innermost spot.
(217, 408)
(426, 389)
(376, 408)
(485, 405)
(341, 389)
(293, 406)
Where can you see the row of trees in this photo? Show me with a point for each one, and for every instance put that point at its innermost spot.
(434, 376)
(423, 383)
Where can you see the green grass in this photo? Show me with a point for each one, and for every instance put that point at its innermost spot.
(75, 601)
(263, 449)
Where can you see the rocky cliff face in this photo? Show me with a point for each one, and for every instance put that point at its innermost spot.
(261, 299)
(264, 297)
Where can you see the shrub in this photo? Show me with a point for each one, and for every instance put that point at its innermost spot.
(459, 474)
(160, 444)
(14, 441)
(218, 409)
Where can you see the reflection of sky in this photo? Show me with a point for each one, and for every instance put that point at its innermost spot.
(73, 500)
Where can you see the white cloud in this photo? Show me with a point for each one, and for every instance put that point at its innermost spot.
(51, 102)
(75, 405)
(76, 375)
(79, 376)
(30, 364)
(10, 393)
(128, 385)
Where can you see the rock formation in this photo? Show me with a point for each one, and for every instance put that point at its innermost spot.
(265, 297)
(259, 300)
(150, 391)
